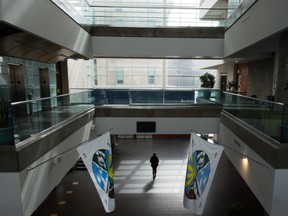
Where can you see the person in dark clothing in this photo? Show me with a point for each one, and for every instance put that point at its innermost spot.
(154, 164)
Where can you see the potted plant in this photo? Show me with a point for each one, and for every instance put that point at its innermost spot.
(208, 81)
(6, 127)
(232, 85)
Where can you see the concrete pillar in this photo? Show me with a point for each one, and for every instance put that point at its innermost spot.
(280, 190)
(281, 93)
(260, 78)
(164, 73)
(10, 199)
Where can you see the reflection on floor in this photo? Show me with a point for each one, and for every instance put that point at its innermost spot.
(137, 193)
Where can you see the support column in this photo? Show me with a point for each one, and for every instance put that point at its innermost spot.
(10, 201)
(281, 93)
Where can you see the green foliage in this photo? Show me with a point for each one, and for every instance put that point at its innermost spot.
(208, 80)
(232, 85)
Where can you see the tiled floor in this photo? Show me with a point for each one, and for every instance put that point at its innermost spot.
(136, 192)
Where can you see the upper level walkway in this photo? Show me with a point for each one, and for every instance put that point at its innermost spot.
(50, 120)
(34, 116)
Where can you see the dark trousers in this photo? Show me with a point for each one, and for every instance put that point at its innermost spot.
(154, 171)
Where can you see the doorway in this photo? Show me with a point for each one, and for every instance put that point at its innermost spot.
(45, 88)
(17, 88)
(223, 82)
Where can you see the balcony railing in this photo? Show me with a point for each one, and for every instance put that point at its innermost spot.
(34, 116)
(235, 14)
(265, 116)
(159, 97)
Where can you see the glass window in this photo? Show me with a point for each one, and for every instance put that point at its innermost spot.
(151, 75)
(95, 71)
(119, 22)
(146, 13)
(120, 75)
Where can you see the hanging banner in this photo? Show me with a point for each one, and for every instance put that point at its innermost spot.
(202, 162)
(97, 157)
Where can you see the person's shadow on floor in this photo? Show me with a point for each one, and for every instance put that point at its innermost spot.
(148, 186)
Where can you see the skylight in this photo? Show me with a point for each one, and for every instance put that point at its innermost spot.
(145, 13)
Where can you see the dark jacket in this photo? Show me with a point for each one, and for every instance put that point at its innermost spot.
(154, 161)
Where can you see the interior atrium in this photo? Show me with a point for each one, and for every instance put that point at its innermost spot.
(71, 70)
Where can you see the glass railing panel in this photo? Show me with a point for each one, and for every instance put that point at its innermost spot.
(25, 124)
(236, 10)
(65, 109)
(98, 95)
(265, 116)
(208, 96)
(179, 97)
(47, 118)
(285, 116)
(175, 97)
(116, 96)
(284, 127)
(34, 116)
(146, 97)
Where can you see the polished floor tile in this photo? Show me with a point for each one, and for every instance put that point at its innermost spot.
(137, 193)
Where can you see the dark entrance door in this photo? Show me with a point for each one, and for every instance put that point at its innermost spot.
(17, 89)
(45, 88)
(223, 82)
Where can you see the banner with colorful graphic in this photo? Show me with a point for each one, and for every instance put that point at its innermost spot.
(202, 162)
(97, 157)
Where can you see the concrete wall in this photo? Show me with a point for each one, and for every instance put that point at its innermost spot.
(10, 199)
(261, 21)
(281, 93)
(255, 171)
(25, 191)
(122, 126)
(226, 69)
(43, 18)
(157, 47)
(280, 193)
(260, 78)
(46, 20)
(268, 184)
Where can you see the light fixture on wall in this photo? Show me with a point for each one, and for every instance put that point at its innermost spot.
(244, 165)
